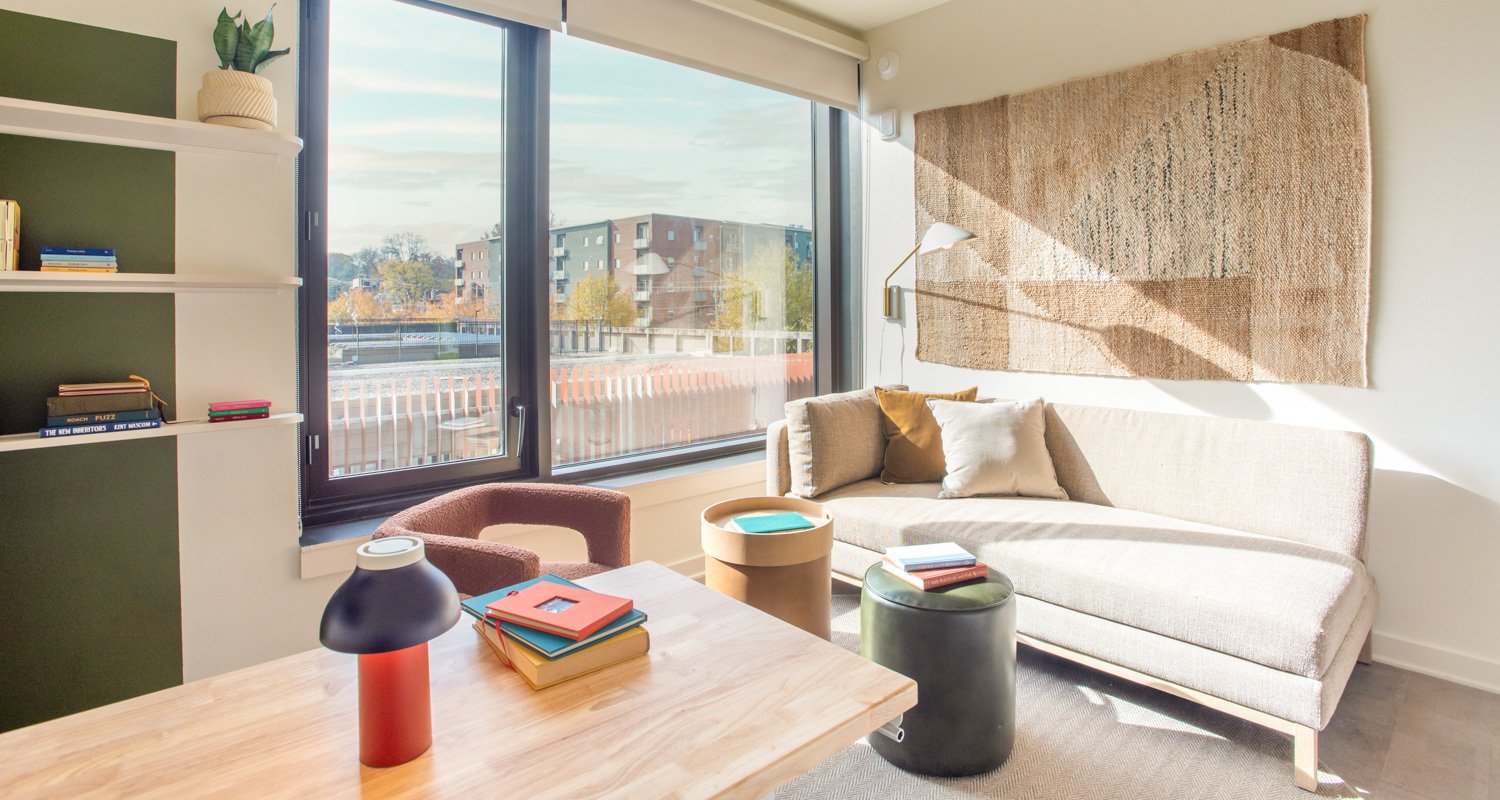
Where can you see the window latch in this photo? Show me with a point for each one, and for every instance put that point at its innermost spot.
(518, 410)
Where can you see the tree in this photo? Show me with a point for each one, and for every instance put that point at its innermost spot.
(407, 282)
(450, 307)
(358, 305)
(798, 285)
(364, 262)
(598, 299)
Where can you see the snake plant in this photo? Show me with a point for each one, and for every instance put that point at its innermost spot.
(245, 47)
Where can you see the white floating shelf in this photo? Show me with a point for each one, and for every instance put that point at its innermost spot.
(74, 123)
(32, 441)
(158, 283)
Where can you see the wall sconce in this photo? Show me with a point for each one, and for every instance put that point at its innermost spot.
(941, 236)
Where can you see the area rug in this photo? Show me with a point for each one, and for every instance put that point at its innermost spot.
(1081, 734)
(1203, 217)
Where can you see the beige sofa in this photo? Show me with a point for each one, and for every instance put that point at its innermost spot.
(1217, 559)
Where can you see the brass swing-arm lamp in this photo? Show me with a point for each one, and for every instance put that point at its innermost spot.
(941, 236)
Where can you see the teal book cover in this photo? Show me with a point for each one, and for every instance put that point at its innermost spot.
(551, 646)
(773, 523)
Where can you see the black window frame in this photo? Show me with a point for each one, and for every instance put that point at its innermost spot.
(527, 87)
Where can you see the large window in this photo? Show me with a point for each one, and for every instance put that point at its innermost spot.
(645, 294)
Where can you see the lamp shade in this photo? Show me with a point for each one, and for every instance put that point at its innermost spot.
(942, 236)
(394, 599)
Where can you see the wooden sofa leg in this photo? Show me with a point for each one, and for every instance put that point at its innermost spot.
(1367, 650)
(1305, 758)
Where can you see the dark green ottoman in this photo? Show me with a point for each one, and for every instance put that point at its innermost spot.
(959, 644)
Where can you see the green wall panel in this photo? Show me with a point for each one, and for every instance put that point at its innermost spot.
(74, 194)
(89, 579)
(80, 65)
(90, 586)
(51, 338)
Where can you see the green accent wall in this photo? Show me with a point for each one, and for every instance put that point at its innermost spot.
(89, 585)
(91, 589)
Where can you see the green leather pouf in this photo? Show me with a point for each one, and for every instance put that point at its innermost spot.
(959, 644)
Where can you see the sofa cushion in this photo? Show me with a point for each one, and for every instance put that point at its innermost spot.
(995, 449)
(1280, 603)
(913, 440)
(833, 440)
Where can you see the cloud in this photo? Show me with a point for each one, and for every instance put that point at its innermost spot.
(491, 126)
(343, 81)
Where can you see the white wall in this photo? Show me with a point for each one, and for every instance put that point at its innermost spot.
(1435, 107)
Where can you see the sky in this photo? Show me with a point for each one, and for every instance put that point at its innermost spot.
(416, 132)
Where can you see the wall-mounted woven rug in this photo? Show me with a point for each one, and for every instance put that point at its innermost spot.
(1202, 217)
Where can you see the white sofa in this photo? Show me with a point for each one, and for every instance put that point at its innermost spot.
(1217, 559)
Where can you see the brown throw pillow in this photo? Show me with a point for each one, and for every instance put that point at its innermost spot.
(913, 441)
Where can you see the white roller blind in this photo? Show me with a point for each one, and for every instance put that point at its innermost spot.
(731, 39)
(538, 13)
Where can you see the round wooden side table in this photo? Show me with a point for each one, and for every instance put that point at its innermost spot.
(784, 574)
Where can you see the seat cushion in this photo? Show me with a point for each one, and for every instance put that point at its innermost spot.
(1279, 603)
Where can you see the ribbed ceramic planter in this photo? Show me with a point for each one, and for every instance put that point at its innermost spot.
(238, 99)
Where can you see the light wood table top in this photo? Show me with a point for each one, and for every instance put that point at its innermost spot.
(730, 702)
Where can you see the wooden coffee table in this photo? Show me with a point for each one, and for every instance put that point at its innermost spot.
(729, 703)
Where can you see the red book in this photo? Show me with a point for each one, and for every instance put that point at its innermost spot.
(569, 611)
(233, 405)
(929, 579)
(237, 417)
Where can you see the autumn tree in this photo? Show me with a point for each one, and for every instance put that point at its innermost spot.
(358, 305)
(598, 299)
(407, 282)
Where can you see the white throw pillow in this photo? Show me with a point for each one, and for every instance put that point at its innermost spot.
(996, 448)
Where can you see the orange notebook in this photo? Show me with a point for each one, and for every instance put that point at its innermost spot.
(570, 611)
(929, 579)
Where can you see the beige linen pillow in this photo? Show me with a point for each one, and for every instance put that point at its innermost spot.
(833, 440)
(913, 442)
(996, 448)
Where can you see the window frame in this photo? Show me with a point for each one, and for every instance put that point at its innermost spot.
(529, 240)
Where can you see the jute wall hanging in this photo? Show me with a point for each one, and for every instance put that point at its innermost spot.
(1203, 217)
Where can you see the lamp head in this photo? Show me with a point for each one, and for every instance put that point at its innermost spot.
(395, 599)
(942, 236)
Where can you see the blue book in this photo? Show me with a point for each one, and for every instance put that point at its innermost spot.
(551, 646)
(98, 417)
(101, 427)
(929, 556)
(75, 259)
(773, 523)
(79, 251)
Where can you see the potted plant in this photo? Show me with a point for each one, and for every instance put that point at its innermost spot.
(234, 94)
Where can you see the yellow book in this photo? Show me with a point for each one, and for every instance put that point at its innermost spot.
(10, 236)
(79, 269)
(541, 673)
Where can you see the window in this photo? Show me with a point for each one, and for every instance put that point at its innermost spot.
(421, 375)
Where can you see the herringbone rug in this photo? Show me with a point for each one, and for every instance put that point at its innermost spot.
(1082, 734)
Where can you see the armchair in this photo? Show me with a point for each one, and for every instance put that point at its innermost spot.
(450, 524)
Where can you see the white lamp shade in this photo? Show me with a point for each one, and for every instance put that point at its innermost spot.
(942, 236)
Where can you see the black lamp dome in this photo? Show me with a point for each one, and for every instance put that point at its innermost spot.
(395, 599)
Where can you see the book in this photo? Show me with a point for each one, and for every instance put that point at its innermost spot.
(549, 645)
(566, 610)
(238, 417)
(54, 268)
(773, 523)
(78, 251)
(540, 672)
(930, 556)
(103, 416)
(102, 427)
(106, 387)
(10, 236)
(89, 404)
(235, 405)
(77, 257)
(233, 411)
(929, 579)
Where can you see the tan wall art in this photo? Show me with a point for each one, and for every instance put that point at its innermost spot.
(1202, 217)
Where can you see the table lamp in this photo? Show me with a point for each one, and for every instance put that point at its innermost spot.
(386, 612)
(940, 236)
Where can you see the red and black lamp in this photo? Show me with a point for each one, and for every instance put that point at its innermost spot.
(386, 612)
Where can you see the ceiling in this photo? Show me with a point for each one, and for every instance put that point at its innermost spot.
(859, 15)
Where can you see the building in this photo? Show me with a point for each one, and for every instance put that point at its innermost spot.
(477, 270)
(576, 252)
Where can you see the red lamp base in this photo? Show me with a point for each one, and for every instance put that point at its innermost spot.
(395, 706)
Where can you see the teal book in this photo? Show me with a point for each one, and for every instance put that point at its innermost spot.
(773, 523)
(551, 646)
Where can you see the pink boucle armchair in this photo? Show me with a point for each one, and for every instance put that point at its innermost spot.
(449, 525)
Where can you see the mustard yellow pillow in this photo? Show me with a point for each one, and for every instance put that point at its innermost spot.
(913, 441)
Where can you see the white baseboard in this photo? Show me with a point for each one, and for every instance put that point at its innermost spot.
(1439, 662)
(691, 567)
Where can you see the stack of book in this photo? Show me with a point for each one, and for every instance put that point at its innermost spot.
(551, 630)
(78, 259)
(933, 566)
(82, 408)
(235, 410)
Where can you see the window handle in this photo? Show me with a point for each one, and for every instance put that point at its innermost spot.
(518, 410)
